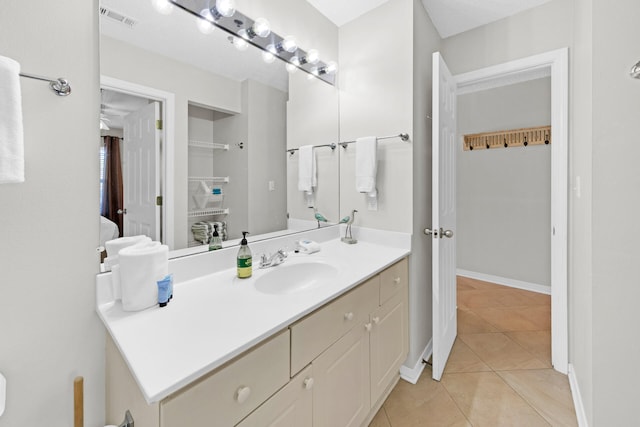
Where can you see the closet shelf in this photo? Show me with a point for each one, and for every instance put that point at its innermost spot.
(209, 145)
(214, 179)
(208, 212)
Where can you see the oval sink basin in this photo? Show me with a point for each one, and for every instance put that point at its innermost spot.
(292, 278)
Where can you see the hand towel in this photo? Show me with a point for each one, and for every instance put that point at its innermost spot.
(11, 127)
(366, 164)
(141, 266)
(307, 173)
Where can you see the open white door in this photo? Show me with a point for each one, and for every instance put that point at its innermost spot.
(140, 167)
(444, 214)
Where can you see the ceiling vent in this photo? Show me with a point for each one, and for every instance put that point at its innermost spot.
(118, 17)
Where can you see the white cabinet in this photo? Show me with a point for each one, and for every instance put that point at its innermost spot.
(389, 342)
(232, 392)
(290, 407)
(333, 368)
(341, 396)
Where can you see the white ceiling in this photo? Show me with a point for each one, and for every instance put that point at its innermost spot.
(450, 17)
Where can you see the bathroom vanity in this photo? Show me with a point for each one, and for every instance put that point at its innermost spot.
(232, 352)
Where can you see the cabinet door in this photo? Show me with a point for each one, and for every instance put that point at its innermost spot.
(389, 343)
(341, 396)
(290, 407)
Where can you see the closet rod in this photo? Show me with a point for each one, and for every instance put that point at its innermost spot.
(60, 86)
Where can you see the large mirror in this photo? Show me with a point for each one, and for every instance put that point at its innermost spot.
(196, 132)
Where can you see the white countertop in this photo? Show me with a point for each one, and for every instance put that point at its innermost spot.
(216, 317)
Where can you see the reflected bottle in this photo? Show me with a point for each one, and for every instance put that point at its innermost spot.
(216, 241)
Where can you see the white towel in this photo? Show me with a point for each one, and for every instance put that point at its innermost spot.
(307, 169)
(114, 246)
(141, 266)
(366, 164)
(11, 128)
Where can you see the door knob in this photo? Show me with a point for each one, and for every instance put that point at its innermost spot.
(430, 232)
(446, 233)
(122, 211)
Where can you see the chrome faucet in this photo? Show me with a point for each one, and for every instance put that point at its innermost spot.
(273, 260)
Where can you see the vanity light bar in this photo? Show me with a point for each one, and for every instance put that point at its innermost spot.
(238, 22)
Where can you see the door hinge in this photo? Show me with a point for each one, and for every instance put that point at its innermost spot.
(159, 201)
(159, 124)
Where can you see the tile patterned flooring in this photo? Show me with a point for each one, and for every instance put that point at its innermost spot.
(499, 372)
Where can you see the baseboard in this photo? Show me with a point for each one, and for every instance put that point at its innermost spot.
(505, 281)
(577, 398)
(412, 374)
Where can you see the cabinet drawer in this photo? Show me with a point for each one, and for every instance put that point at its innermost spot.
(232, 392)
(316, 332)
(393, 279)
(291, 406)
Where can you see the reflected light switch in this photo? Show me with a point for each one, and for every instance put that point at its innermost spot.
(272, 185)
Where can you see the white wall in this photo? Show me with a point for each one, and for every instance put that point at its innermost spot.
(49, 332)
(266, 144)
(616, 204)
(376, 99)
(504, 194)
(425, 41)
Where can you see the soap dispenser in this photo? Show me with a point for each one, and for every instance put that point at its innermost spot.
(244, 258)
(216, 241)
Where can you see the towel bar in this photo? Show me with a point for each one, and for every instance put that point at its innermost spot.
(60, 86)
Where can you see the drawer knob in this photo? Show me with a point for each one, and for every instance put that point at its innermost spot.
(396, 281)
(348, 316)
(243, 394)
(376, 320)
(308, 383)
(368, 327)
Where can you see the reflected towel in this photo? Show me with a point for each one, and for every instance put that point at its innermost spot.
(141, 266)
(307, 169)
(11, 127)
(366, 164)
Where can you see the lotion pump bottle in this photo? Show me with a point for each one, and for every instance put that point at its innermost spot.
(216, 241)
(244, 258)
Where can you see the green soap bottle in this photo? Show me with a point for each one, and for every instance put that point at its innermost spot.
(244, 258)
(216, 241)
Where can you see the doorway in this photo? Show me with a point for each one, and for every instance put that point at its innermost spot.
(554, 65)
(123, 98)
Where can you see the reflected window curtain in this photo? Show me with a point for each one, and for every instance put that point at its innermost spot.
(112, 199)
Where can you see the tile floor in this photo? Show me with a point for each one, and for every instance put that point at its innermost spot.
(499, 372)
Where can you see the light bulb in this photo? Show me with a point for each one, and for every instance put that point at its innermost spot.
(289, 44)
(163, 7)
(205, 21)
(313, 56)
(240, 43)
(268, 57)
(331, 68)
(226, 8)
(261, 27)
(293, 64)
